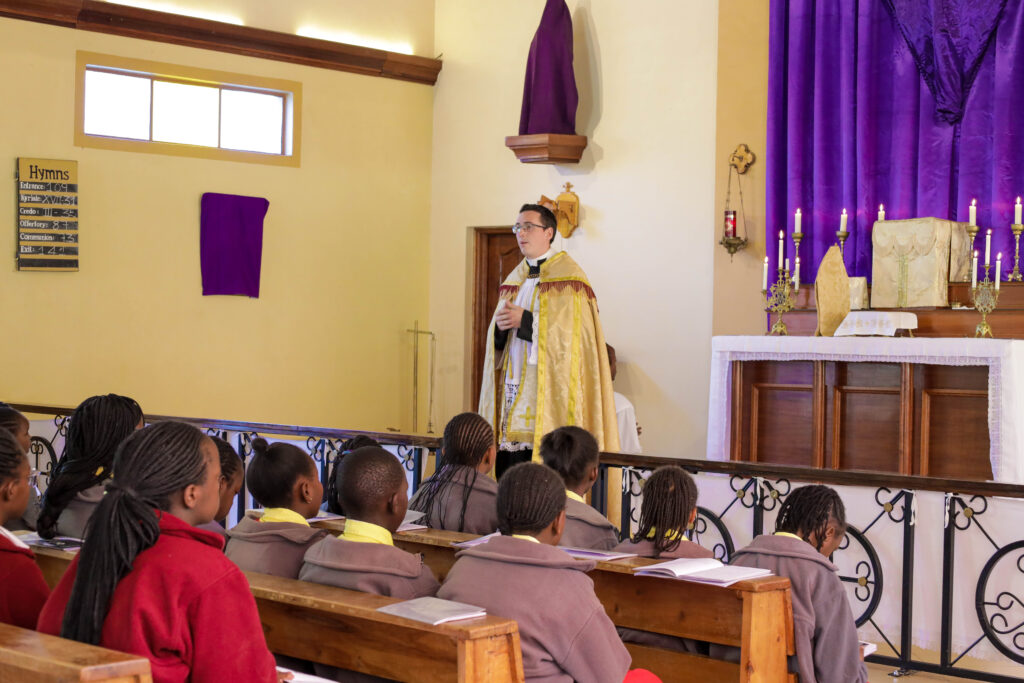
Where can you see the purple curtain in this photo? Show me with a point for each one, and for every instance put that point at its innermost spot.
(549, 95)
(231, 243)
(906, 103)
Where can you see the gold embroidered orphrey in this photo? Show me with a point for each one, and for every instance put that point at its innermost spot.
(571, 383)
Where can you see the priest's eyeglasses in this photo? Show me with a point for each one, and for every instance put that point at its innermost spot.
(526, 227)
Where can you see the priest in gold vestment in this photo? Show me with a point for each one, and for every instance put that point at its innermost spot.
(546, 365)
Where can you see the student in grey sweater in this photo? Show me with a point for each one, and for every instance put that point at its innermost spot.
(564, 631)
(572, 452)
(460, 495)
(810, 526)
(283, 479)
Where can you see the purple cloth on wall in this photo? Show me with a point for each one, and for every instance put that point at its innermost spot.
(550, 96)
(853, 124)
(231, 243)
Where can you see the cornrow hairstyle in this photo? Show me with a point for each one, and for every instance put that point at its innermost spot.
(152, 464)
(366, 476)
(570, 451)
(467, 438)
(230, 462)
(530, 496)
(331, 489)
(273, 471)
(11, 456)
(808, 510)
(10, 419)
(98, 426)
(670, 496)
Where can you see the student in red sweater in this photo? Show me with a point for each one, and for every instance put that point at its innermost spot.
(22, 589)
(148, 583)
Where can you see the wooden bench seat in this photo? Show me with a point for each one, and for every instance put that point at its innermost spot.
(27, 655)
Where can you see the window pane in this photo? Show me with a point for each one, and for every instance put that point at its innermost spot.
(251, 121)
(116, 105)
(185, 113)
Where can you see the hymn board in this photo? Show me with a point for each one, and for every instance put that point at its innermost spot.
(47, 214)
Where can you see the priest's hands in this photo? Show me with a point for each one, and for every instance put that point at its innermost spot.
(509, 317)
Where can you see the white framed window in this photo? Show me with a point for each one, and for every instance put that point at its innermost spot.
(145, 106)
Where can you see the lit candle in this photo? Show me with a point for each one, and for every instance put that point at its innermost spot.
(782, 243)
(974, 270)
(1016, 213)
(796, 276)
(988, 245)
(764, 276)
(973, 212)
(999, 268)
(799, 219)
(842, 222)
(881, 212)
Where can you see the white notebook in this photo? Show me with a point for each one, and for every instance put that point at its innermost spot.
(702, 570)
(869, 648)
(411, 521)
(476, 541)
(433, 611)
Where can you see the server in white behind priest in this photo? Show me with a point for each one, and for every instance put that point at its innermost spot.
(625, 414)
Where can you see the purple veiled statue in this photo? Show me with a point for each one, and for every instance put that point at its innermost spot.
(550, 96)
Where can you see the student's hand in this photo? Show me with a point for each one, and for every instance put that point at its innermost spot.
(639, 429)
(285, 675)
(861, 647)
(509, 317)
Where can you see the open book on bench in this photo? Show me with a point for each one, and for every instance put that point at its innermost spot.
(702, 570)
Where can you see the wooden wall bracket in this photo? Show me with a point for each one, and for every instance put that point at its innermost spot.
(547, 148)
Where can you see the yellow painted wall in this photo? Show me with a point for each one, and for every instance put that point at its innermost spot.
(742, 118)
(646, 74)
(344, 265)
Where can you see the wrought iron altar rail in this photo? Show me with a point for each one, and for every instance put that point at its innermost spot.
(756, 490)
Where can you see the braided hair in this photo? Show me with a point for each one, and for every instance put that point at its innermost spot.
(273, 471)
(808, 511)
(152, 465)
(98, 426)
(12, 420)
(467, 438)
(230, 463)
(670, 497)
(331, 490)
(12, 457)
(530, 496)
(570, 451)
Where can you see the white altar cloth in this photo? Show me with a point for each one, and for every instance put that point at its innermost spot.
(1003, 357)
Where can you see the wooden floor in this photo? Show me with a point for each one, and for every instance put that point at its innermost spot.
(878, 673)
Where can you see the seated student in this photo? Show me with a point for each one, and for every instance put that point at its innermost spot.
(331, 494)
(17, 424)
(283, 479)
(668, 510)
(98, 426)
(22, 588)
(375, 496)
(572, 452)
(810, 526)
(232, 471)
(148, 583)
(564, 631)
(460, 496)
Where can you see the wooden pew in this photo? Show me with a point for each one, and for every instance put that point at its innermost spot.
(755, 616)
(27, 655)
(342, 628)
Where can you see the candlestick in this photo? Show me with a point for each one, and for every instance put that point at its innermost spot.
(1016, 212)
(999, 268)
(985, 297)
(972, 212)
(781, 233)
(796, 275)
(1015, 276)
(764, 276)
(988, 247)
(842, 222)
(798, 220)
(881, 212)
(842, 234)
(779, 300)
(974, 270)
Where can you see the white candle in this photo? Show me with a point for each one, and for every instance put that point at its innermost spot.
(764, 276)
(881, 212)
(973, 212)
(988, 245)
(798, 219)
(782, 242)
(1016, 212)
(842, 222)
(999, 268)
(796, 276)
(787, 265)
(974, 270)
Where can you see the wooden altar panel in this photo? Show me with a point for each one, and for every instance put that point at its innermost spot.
(952, 422)
(778, 400)
(863, 416)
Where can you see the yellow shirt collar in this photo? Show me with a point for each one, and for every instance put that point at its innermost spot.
(525, 537)
(283, 515)
(365, 532)
(575, 496)
(787, 534)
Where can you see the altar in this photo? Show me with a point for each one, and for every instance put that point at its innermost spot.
(942, 407)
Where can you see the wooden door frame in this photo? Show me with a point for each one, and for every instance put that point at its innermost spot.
(480, 289)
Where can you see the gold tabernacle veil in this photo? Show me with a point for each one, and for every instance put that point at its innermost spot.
(572, 377)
